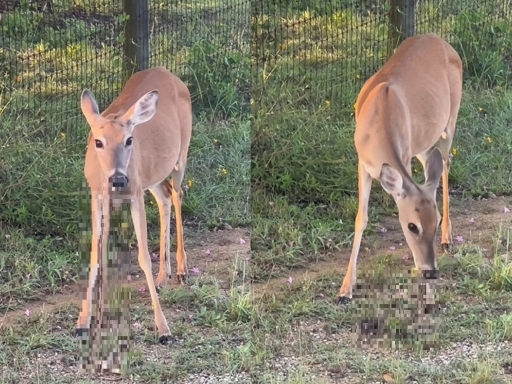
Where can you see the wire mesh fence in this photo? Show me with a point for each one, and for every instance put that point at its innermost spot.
(310, 59)
(329, 48)
(51, 49)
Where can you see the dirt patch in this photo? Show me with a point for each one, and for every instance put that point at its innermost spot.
(212, 253)
(473, 222)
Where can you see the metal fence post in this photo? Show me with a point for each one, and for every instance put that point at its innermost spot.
(136, 32)
(401, 22)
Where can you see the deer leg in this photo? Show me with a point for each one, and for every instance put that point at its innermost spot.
(164, 207)
(445, 145)
(364, 183)
(422, 157)
(97, 211)
(181, 256)
(140, 224)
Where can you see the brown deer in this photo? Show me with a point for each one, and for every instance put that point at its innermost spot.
(402, 111)
(134, 145)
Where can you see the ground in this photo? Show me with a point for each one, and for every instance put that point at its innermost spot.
(487, 214)
(296, 335)
(54, 315)
(313, 340)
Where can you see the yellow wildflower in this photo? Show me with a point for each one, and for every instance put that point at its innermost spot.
(454, 151)
(224, 171)
(327, 103)
(63, 135)
(488, 139)
(190, 183)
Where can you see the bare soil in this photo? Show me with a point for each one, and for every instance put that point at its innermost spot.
(224, 247)
(486, 215)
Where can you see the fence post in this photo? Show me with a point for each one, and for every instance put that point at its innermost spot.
(136, 33)
(401, 22)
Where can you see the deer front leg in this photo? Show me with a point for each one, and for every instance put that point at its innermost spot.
(140, 224)
(84, 317)
(364, 183)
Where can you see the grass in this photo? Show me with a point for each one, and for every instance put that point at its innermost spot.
(312, 336)
(304, 184)
(304, 201)
(43, 133)
(210, 326)
(270, 319)
(41, 173)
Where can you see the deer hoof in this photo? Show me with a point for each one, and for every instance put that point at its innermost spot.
(164, 340)
(81, 332)
(182, 279)
(446, 247)
(343, 300)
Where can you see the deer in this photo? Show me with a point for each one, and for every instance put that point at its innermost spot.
(401, 112)
(140, 140)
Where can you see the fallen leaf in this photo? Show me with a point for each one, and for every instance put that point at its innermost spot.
(388, 377)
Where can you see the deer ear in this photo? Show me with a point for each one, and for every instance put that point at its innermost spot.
(391, 180)
(89, 106)
(433, 169)
(143, 110)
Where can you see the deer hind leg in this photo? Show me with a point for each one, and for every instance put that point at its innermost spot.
(445, 145)
(177, 198)
(365, 183)
(140, 225)
(84, 316)
(163, 199)
(422, 157)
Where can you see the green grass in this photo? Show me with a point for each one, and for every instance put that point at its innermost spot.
(210, 327)
(305, 323)
(304, 201)
(43, 133)
(301, 209)
(304, 173)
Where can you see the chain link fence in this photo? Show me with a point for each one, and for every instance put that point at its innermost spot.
(329, 48)
(310, 59)
(51, 49)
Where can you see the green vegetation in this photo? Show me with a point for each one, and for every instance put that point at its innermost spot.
(304, 183)
(310, 59)
(47, 57)
(275, 320)
(316, 335)
(43, 133)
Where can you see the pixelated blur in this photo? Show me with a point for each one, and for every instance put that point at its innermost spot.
(104, 345)
(394, 310)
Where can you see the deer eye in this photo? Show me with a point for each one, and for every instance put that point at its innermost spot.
(413, 228)
(129, 141)
(98, 143)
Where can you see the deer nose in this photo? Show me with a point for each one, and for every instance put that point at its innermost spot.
(118, 181)
(430, 274)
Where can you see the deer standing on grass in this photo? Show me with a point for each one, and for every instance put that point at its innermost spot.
(401, 112)
(135, 145)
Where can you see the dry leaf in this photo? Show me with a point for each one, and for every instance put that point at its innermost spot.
(388, 377)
